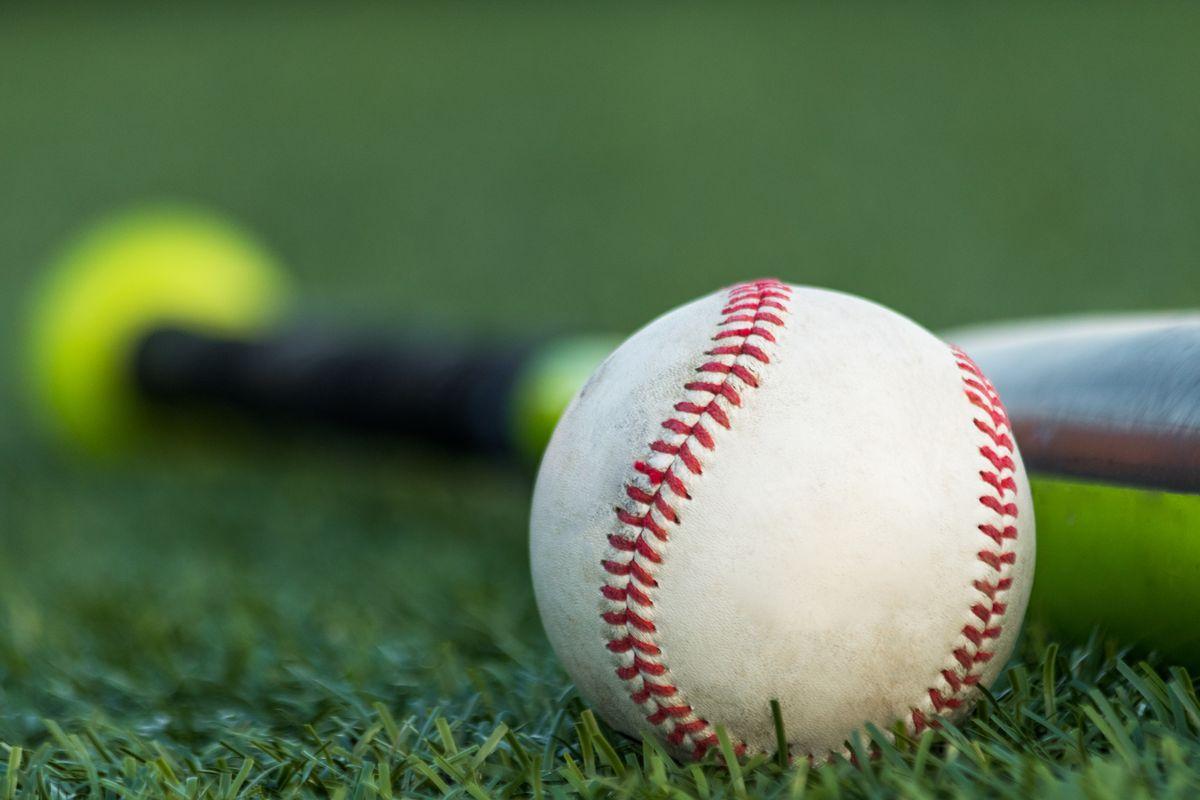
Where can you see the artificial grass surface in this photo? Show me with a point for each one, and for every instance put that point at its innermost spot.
(296, 617)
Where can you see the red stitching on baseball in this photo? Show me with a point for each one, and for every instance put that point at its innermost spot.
(621, 542)
(998, 437)
(1001, 490)
(998, 505)
(739, 350)
(998, 461)
(635, 555)
(764, 302)
(723, 389)
(745, 333)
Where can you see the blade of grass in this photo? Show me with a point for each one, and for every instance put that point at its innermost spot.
(607, 752)
(12, 773)
(781, 742)
(736, 778)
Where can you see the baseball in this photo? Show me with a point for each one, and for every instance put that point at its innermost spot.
(784, 493)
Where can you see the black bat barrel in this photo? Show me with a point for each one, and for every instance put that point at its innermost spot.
(450, 394)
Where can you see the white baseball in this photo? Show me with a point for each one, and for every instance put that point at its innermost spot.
(780, 492)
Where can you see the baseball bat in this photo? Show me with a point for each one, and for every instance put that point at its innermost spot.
(166, 310)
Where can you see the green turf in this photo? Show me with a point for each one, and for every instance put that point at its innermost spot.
(314, 618)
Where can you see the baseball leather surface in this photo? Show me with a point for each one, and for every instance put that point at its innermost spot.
(779, 492)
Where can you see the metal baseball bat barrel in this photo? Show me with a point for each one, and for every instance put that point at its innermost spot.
(457, 395)
(1114, 399)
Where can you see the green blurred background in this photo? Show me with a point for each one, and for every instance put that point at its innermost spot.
(513, 168)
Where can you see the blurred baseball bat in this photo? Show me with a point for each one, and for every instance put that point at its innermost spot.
(166, 310)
